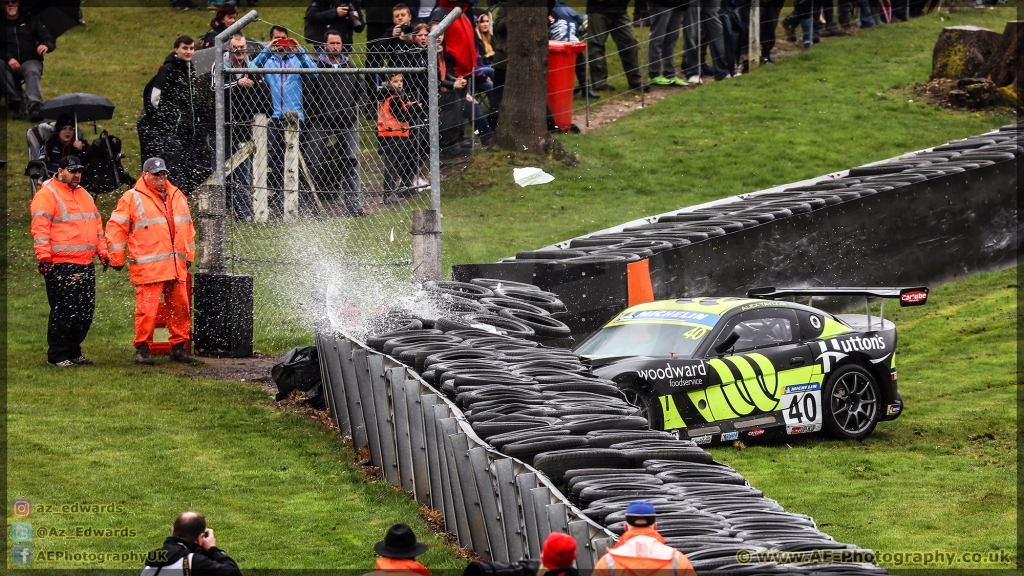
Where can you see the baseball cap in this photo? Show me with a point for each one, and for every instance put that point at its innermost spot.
(559, 551)
(154, 166)
(640, 513)
(70, 163)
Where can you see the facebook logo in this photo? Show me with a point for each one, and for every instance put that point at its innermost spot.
(21, 555)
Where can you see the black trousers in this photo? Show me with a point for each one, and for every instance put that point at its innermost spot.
(71, 292)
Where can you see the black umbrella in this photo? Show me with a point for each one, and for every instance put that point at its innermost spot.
(84, 107)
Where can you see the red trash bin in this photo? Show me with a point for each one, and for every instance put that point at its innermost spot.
(561, 77)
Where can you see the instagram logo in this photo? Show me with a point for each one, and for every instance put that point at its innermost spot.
(21, 508)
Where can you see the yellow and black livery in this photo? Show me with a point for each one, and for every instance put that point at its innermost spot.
(723, 369)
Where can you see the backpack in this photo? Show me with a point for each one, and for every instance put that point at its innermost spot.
(105, 173)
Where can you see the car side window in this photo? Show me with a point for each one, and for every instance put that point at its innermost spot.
(765, 328)
(761, 332)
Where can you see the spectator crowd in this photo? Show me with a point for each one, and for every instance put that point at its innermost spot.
(641, 549)
(324, 106)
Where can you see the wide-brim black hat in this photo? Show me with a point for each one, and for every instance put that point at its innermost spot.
(400, 542)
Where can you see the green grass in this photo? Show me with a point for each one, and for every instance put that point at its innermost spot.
(838, 105)
(943, 475)
(280, 490)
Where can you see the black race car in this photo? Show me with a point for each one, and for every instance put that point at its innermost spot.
(722, 369)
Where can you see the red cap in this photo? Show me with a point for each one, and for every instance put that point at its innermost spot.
(559, 551)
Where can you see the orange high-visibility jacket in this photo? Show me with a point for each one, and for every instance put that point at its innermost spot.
(393, 566)
(157, 231)
(388, 126)
(66, 226)
(642, 552)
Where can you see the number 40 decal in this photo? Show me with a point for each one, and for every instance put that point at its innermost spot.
(802, 409)
(696, 333)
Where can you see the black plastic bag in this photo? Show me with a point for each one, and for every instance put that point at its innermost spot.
(299, 369)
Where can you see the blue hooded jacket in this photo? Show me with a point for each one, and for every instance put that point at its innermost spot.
(285, 89)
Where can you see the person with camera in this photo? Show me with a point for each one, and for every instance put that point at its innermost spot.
(285, 97)
(67, 232)
(341, 15)
(190, 549)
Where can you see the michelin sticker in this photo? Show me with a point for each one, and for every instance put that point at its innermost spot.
(801, 407)
(680, 316)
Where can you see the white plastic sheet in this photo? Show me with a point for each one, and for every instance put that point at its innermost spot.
(531, 176)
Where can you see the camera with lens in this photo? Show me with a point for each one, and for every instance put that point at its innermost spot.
(407, 29)
(356, 22)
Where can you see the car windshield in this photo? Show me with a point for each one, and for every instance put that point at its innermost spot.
(645, 339)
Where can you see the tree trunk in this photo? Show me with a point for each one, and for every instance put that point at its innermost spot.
(962, 51)
(523, 128)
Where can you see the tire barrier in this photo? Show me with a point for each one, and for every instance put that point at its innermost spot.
(921, 218)
(511, 439)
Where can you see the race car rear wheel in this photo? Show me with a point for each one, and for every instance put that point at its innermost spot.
(648, 406)
(851, 403)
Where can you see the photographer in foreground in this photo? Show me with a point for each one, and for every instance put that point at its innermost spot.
(341, 15)
(190, 549)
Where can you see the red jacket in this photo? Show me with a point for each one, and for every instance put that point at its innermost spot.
(460, 40)
(157, 231)
(66, 227)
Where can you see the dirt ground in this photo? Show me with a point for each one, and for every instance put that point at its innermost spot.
(237, 369)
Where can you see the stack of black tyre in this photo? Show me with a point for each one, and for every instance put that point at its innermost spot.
(672, 231)
(542, 406)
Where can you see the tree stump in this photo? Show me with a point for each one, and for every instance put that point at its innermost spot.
(963, 51)
(1005, 66)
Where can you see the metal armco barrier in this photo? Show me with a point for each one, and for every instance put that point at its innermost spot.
(495, 505)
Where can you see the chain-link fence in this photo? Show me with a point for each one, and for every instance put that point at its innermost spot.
(326, 154)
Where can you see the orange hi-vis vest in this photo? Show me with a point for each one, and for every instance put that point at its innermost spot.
(157, 231)
(642, 552)
(387, 125)
(393, 566)
(66, 226)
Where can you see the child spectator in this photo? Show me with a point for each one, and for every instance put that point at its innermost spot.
(393, 134)
(565, 30)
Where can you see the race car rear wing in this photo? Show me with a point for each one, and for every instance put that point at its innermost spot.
(909, 296)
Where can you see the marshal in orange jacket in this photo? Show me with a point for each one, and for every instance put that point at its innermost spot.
(642, 552)
(158, 232)
(66, 227)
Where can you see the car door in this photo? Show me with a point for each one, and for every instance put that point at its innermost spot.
(766, 361)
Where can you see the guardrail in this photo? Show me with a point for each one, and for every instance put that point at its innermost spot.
(495, 505)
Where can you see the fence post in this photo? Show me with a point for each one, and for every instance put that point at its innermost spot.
(754, 50)
(291, 166)
(434, 120)
(260, 208)
(426, 245)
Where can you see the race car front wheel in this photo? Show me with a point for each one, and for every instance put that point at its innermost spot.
(851, 403)
(647, 405)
